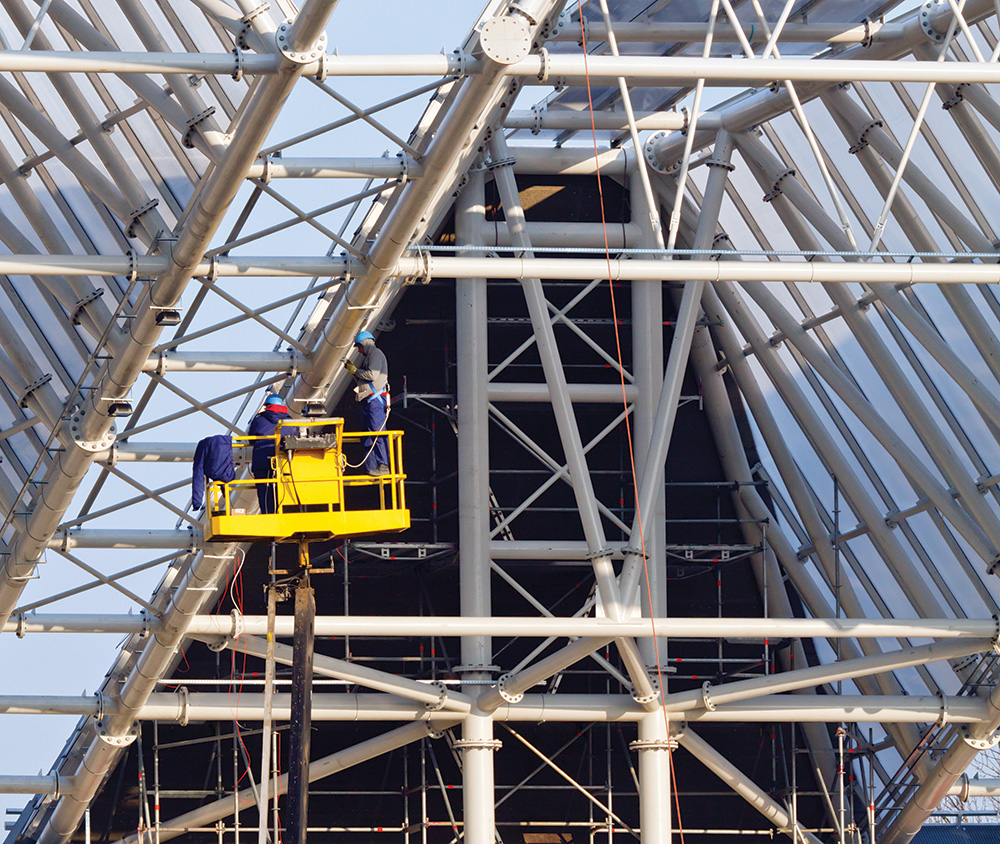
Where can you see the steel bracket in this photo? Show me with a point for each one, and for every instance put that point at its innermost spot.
(552, 27)
(776, 191)
(502, 684)
(133, 218)
(317, 50)
(34, 385)
(82, 302)
(116, 741)
(192, 126)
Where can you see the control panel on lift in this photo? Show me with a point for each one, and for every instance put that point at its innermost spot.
(314, 496)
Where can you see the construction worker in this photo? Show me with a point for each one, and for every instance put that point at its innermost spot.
(371, 389)
(263, 425)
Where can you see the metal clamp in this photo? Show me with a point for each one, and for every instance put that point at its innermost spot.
(502, 684)
(963, 795)
(543, 74)
(994, 563)
(536, 119)
(299, 57)
(99, 715)
(133, 265)
(996, 634)
(866, 40)
(246, 21)
(653, 744)
(19, 631)
(133, 218)
(776, 185)
(34, 385)
(238, 69)
(192, 125)
(862, 141)
(956, 98)
(185, 697)
(706, 696)
(551, 28)
(718, 162)
(438, 704)
(82, 302)
(477, 744)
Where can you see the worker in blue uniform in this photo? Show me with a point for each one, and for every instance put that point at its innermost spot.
(263, 425)
(213, 458)
(371, 390)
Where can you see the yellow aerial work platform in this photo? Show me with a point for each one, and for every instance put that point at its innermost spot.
(314, 498)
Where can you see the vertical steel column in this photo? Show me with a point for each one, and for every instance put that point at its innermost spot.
(647, 369)
(299, 739)
(654, 751)
(265, 755)
(474, 515)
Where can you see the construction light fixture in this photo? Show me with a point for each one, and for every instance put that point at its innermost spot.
(120, 408)
(168, 316)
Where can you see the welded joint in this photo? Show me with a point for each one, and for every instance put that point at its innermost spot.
(442, 690)
(135, 216)
(776, 190)
(956, 98)
(82, 303)
(298, 56)
(32, 387)
(477, 744)
(862, 140)
(502, 684)
(113, 740)
(192, 126)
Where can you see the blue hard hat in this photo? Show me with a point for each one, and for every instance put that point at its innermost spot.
(273, 398)
(363, 335)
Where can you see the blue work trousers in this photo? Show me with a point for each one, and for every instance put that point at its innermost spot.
(373, 415)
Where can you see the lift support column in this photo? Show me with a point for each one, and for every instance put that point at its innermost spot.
(302, 675)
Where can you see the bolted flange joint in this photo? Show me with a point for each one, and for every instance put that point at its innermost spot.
(926, 16)
(115, 741)
(653, 744)
(647, 151)
(980, 742)
(442, 691)
(642, 700)
(104, 443)
(478, 744)
(502, 684)
(314, 53)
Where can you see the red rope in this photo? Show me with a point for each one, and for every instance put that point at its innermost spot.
(628, 425)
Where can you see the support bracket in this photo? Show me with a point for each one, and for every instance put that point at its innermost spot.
(776, 191)
(133, 218)
(34, 385)
(862, 141)
(245, 24)
(82, 302)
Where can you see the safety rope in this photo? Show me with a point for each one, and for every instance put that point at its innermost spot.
(628, 426)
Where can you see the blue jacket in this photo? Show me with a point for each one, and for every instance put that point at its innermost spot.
(263, 425)
(213, 457)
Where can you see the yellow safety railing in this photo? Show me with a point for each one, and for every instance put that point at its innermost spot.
(312, 494)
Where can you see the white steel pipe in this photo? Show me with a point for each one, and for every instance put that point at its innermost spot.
(583, 393)
(182, 707)
(275, 167)
(41, 784)
(184, 539)
(653, 31)
(587, 235)
(541, 119)
(148, 452)
(744, 786)
(173, 361)
(797, 270)
(361, 625)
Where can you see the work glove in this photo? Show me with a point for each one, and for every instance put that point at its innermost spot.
(350, 367)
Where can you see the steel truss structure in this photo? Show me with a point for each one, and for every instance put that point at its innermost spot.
(809, 202)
